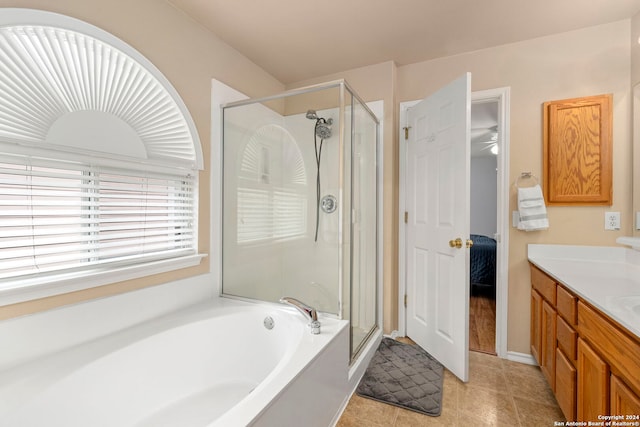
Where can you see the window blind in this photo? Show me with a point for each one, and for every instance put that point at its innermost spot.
(271, 195)
(270, 213)
(60, 215)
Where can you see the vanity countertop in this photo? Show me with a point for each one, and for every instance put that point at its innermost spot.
(608, 278)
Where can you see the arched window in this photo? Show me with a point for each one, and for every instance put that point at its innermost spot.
(99, 157)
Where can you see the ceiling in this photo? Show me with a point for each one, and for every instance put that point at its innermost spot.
(296, 40)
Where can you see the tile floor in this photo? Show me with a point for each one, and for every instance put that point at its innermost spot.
(499, 393)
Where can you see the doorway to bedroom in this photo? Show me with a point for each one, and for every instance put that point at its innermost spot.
(484, 139)
(501, 96)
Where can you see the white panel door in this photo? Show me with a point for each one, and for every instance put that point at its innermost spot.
(438, 208)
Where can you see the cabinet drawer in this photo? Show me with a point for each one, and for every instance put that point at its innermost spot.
(620, 350)
(544, 284)
(565, 385)
(567, 305)
(567, 338)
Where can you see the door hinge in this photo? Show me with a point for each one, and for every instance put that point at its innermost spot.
(406, 132)
(406, 217)
(405, 300)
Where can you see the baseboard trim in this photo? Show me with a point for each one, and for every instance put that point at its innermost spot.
(514, 356)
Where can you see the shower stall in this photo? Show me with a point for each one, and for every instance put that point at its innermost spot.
(300, 203)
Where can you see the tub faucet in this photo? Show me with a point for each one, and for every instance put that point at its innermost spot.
(308, 313)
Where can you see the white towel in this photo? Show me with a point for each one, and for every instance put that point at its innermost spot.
(533, 212)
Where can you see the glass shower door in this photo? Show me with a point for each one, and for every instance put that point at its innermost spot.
(364, 226)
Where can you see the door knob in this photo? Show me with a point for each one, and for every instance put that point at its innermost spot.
(469, 243)
(456, 243)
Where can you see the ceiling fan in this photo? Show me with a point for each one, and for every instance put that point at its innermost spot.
(485, 139)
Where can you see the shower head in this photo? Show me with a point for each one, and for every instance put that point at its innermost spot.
(323, 130)
(323, 126)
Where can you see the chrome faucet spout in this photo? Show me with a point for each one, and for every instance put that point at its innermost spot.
(308, 312)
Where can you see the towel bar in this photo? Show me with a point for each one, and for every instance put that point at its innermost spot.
(526, 175)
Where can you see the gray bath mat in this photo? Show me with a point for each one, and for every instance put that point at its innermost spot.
(404, 375)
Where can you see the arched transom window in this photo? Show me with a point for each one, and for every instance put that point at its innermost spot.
(99, 157)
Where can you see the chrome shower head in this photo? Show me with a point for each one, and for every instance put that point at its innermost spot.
(323, 130)
(323, 126)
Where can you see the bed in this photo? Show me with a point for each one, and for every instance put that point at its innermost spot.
(483, 263)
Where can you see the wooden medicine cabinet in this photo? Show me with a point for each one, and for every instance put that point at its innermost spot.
(577, 153)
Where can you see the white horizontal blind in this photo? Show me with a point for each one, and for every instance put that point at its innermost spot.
(289, 214)
(254, 215)
(65, 216)
(270, 213)
(272, 191)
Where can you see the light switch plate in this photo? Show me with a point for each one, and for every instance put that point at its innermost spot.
(612, 220)
(515, 218)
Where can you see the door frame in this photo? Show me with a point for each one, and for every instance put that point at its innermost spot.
(502, 97)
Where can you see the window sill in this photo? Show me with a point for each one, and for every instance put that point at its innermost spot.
(26, 290)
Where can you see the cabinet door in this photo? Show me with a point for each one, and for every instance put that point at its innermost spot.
(593, 384)
(577, 151)
(548, 348)
(536, 325)
(623, 400)
(565, 385)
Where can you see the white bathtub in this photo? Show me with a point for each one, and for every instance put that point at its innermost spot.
(212, 364)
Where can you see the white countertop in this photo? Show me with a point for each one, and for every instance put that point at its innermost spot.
(608, 278)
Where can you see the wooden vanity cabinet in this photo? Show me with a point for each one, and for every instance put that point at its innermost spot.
(623, 400)
(593, 383)
(548, 349)
(620, 351)
(566, 383)
(536, 324)
(543, 334)
(544, 318)
(567, 339)
(566, 351)
(591, 363)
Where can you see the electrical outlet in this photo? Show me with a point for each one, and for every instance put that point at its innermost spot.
(612, 220)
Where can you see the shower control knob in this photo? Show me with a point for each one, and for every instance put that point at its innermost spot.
(329, 203)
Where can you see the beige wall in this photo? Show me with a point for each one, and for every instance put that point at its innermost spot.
(189, 56)
(635, 49)
(580, 63)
